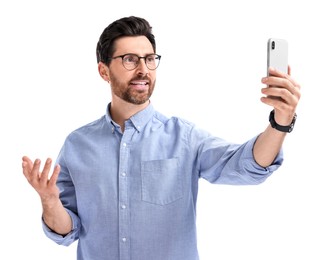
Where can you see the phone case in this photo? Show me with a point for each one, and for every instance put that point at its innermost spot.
(278, 54)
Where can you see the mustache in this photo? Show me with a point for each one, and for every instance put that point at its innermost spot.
(141, 77)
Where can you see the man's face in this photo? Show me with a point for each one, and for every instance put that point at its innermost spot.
(133, 86)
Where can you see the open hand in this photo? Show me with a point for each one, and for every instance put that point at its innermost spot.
(46, 187)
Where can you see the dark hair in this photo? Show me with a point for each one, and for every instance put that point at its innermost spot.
(127, 26)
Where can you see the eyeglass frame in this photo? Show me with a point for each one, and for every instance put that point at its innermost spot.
(139, 57)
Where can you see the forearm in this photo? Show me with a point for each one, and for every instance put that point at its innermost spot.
(283, 96)
(267, 146)
(56, 217)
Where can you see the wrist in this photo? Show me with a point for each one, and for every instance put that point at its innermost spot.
(282, 128)
(50, 202)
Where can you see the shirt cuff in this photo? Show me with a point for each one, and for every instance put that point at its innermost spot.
(277, 162)
(251, 165)
(65, 240)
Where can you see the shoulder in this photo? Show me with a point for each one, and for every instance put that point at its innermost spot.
(179, 127)
(88, 129)
(173, 120)
(173, 123)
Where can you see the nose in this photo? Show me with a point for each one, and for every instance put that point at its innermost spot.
(142, 66)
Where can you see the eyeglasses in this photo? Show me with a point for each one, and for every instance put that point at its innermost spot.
(131, 61)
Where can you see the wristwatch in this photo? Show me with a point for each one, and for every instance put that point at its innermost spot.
(287, 128)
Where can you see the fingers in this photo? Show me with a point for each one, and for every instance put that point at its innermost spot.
(280, 103)
(45, 172)
(289, 70)
(39, 179)
(27, 166)
(281, 85)
(275, 74)
(283, 88)
(282, 93)
(54, 176)
(26, 163)
(280, 98)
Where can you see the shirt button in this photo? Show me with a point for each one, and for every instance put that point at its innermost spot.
(124, 239)
(123, 174)
(123, 206)
(124, 144)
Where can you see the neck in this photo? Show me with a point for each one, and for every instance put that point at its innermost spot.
(121, 110)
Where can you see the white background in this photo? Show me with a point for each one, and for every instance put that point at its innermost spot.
(213, 58)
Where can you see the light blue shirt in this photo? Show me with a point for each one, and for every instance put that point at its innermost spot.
(132, 195)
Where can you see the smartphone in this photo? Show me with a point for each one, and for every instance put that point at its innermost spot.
(277, 55)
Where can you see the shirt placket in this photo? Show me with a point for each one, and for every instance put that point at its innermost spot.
(124, 207)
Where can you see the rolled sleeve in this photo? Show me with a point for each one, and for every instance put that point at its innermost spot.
(236, 165)
(255, 173)
(68, 239)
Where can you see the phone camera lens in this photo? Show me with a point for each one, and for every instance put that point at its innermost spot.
(273, 45)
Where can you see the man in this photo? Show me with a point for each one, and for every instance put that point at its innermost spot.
(125, 186)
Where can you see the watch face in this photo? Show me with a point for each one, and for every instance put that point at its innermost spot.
(293, 122)
(290, 128)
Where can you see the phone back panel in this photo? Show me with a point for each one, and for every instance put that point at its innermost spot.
(278, 54)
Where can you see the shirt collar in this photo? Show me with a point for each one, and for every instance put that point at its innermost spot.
(139, 120)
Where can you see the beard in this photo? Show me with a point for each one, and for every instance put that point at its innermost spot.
(129, 94)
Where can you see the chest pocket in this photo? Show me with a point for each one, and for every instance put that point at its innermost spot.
(161, 181)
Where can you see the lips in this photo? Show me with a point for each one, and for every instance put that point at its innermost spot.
(139, 84)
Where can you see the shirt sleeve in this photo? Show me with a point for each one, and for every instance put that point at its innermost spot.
(222, 162)
(68, 199)
(68, 239)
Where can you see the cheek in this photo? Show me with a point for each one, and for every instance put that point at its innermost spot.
(120, 76)
(153, 78)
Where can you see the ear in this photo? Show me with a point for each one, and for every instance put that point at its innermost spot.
(103, 71)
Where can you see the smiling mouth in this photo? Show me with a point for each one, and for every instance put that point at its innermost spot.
(137, 83)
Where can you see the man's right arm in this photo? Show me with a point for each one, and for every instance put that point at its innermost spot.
(55, 215)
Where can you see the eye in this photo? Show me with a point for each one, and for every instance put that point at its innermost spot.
(151, 58)
(130, 58)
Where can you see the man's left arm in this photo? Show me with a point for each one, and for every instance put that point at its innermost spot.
(283, 94)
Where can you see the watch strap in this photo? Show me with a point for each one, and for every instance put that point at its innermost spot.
(287, 128)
